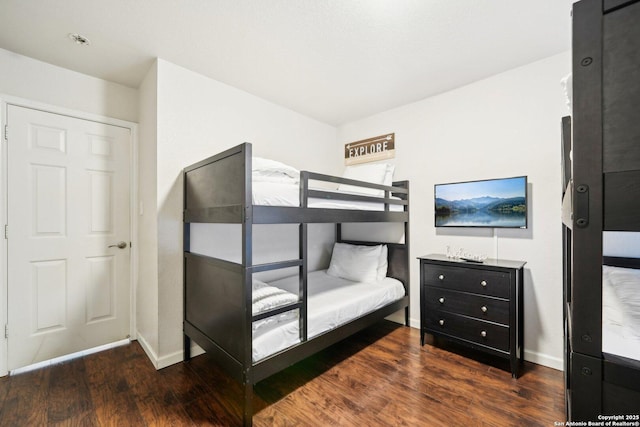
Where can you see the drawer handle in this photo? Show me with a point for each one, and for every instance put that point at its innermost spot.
(441, 300)
(483, 283)
(483, 334)
(441, 321)
(441, 277)
(483, 308)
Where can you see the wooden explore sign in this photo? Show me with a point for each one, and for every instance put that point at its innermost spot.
(369, 150)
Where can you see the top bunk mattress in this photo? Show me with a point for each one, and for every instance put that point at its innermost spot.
(215, 191)
(288, 194)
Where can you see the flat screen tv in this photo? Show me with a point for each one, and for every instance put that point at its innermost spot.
(490, 203)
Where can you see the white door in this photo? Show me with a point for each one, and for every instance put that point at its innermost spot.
(68, 205)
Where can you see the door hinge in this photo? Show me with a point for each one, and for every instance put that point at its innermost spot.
(6, 231)
(6, 331)
(6, 132)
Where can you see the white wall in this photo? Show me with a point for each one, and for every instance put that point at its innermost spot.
(621, 243)
(147, 290)
(505, 125)
(196, 118)
(34, 80)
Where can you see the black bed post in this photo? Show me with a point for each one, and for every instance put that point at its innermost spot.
(247, 263)
(302, 287)
(247, 405)
(408, 247)
(186, 247)
(302, 253)
(586, 273)
(406, 316)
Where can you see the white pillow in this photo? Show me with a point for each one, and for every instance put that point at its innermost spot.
(257, 284)
(567, 88)
(355, 262)
(377, 173)
(267, 170)
(383, 264)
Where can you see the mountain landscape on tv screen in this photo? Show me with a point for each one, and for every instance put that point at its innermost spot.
(496, 204)
(481, 211)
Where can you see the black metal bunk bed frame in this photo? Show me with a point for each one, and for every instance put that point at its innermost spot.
(606, 197)
(217, 293)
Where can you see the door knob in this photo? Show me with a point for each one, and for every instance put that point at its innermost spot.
(120, 245)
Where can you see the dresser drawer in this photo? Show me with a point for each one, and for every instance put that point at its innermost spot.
(481, 307)
(484, 282)
(466, 328)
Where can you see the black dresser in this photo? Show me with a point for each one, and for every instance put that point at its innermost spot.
(476, 304)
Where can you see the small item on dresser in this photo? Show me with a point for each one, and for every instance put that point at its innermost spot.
(477, 261)
(465, 256)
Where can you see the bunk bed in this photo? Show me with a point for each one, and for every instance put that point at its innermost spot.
(602, 293)
(218, 294)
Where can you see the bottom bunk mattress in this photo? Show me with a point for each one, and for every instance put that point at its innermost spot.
(621, 311)
(331, 302)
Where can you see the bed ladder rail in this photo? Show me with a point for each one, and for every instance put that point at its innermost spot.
(301, 263)
(302, 278)
(306, 193)
(275, 265)
(276, 311)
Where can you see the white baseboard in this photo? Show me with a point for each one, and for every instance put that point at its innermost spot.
(148, 350)
(178, 356)
(67, 357)
(196, 350)
(169, 359)
(544, 360)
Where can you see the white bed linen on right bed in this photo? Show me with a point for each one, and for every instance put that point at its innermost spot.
(331, 302)
(621, 311)
(288, 194)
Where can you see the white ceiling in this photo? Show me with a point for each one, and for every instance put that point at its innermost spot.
(333, 60)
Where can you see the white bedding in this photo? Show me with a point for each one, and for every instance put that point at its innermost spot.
(288, 194)
(621, 311)
(265, 298)
(331, 302)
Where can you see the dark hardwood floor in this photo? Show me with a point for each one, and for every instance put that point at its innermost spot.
(380, 376)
